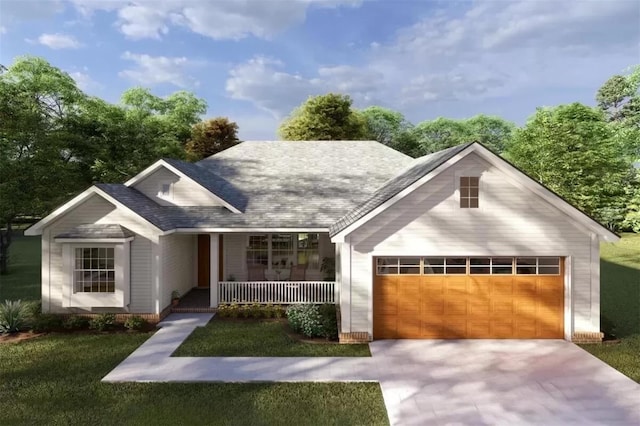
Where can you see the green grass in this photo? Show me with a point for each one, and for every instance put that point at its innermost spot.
(23, 279)
(257, 338)
(620, 286)
(624, 356)
(56, 380)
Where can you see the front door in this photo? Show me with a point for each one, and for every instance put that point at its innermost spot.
(204, 260)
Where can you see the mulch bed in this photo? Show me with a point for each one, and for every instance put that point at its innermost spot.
(19, 337)
(285, 325)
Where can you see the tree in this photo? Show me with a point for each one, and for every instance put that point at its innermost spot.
(211, 136)
(35, 155)
(384, 125)
(441, 133)
(572, 150)
(324, 117)
(123, 139)
(494, 132)
(619, 97)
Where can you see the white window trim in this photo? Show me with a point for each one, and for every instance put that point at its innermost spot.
(118, 299)
(161, 194)
(471, 172)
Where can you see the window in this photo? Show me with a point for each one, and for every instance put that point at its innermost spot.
(308, 250)
(538, 265)
(258, 250)
(94, 270)
(165, 190)
(398, 265)
(445, 265)
(281, 250)
(474, 265)
(469, 192)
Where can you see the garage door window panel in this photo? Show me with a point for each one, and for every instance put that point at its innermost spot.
(409, 266)
(388, 265)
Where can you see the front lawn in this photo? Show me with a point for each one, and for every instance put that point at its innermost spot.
(620, 286)
(623, 356)
(23, 279)
(620, 305)
(56, 380)
(257, 338)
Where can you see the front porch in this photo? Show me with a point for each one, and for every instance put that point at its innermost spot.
(245, 268)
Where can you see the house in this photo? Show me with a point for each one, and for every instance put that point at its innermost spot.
(455, 244)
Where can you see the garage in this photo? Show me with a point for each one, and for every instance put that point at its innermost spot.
(468, 297)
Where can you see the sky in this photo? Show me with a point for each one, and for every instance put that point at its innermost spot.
(255, 60)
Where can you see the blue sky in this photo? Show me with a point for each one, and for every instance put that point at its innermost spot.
(255, 60)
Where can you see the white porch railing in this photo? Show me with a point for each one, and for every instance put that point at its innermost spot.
(276, 292)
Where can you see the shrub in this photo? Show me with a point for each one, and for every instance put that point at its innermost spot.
(102, 322)
(313, 320)
(75, 322)
(279, 311)
(33, 308)
(14, 315)
(46, 322)
(135, 322)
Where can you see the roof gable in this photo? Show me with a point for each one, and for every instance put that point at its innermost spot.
(219, 190)
(426, 168)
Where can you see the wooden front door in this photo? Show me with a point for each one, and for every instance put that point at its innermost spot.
(204, 260)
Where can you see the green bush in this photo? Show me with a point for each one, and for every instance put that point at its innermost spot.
(135, 322)
(313, 320)
(46, 322)
(254, 310)
(103, 322)
(14, 315)
(75, 322)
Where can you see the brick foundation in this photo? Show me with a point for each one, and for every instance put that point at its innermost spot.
(587, 337)
(351, 337)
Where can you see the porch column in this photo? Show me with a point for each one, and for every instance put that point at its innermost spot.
(213, 270)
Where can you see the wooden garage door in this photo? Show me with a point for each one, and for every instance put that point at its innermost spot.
(479, 300)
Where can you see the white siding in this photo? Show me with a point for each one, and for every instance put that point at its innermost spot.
(97, 210)
(185, 191)
(510, 221)
(177, 262)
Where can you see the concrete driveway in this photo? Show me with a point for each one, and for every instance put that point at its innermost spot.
(494, 382)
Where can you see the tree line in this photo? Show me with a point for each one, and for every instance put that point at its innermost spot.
(55, 140)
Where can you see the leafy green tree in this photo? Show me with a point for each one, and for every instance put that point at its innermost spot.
(211, 136)
(37, 164)
(324, 117)
(441, 133)
(434, 135)
(383, 124)
(123, 139)
(619, 97)
(493, 132)
(572, 150)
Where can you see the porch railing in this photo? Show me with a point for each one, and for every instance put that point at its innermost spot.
(276, 292)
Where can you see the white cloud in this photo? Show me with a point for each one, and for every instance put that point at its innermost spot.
(261, 81)
(151, 70)
(451, 59)
(58, 41)
(85, 82)
(222, 19)
(3, 30)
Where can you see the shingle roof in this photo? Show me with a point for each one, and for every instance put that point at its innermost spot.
(282, 184)
(306, 183)
(97, 231)
(217, 185)
(138, 203)
(405, 178)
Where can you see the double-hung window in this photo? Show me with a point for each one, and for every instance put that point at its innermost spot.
(94, 270)
(279, 251)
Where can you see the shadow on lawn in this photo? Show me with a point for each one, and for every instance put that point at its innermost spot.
(619, 299)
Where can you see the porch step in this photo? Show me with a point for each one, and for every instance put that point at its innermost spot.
(180, 310)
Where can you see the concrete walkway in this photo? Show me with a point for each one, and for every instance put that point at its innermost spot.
(461, 382)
